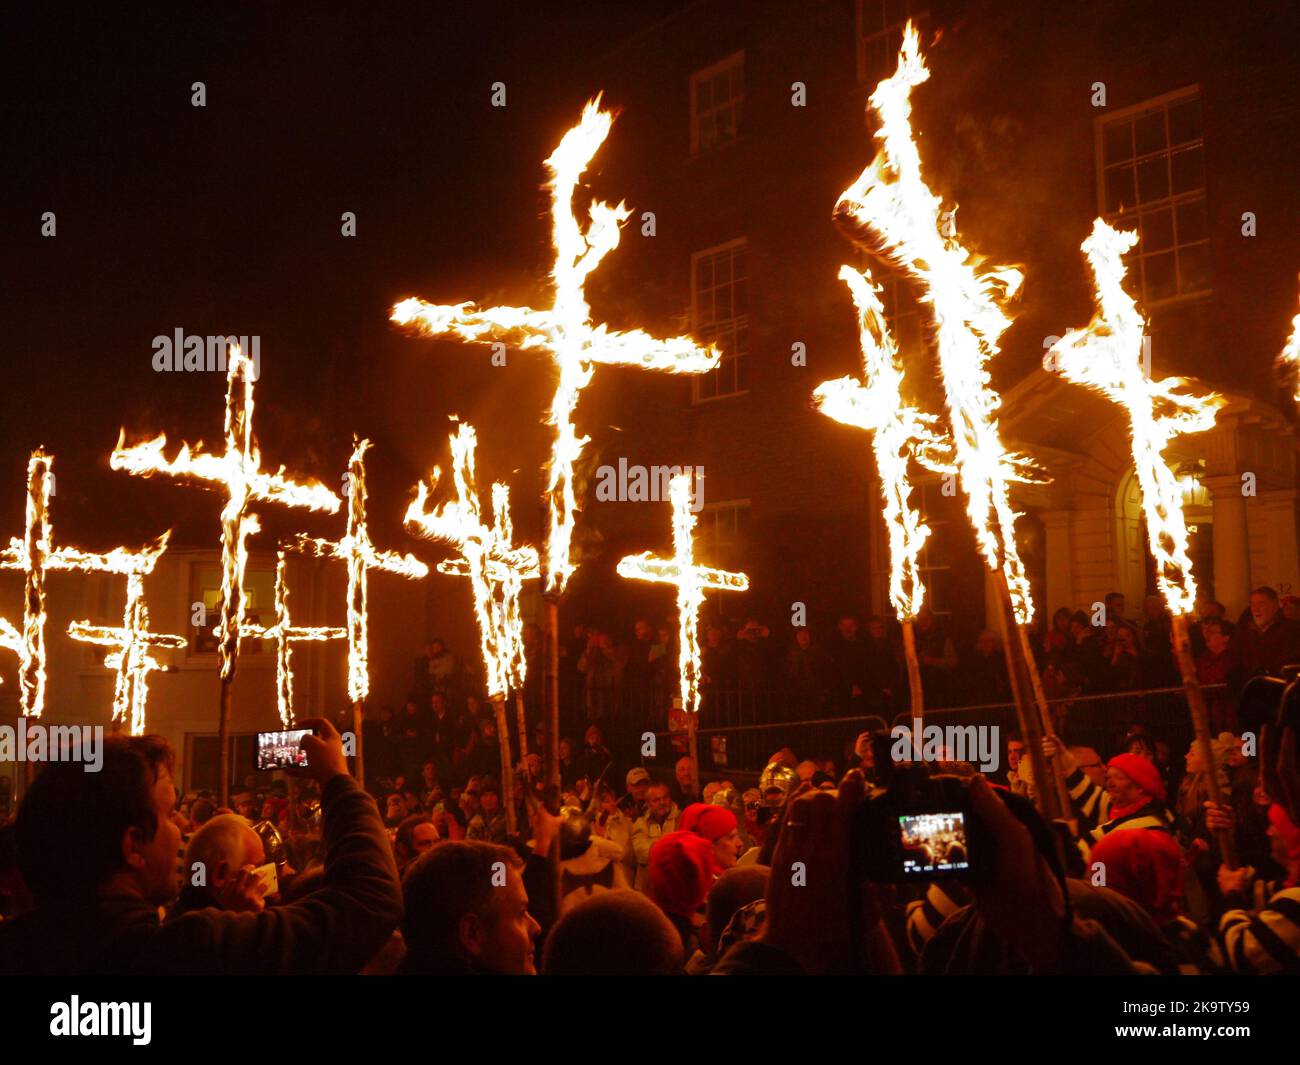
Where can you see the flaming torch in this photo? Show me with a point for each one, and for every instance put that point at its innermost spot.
(564, 333)
(132, 645)
(899, 433)
(35, 554)
(490, 561)
(360, 555)
(691, 581)
(1107, 357)
(238, 473)
(892, 200)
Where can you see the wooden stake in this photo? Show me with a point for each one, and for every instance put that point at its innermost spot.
(358, 723)
(1201, 726)
(913, 672)
(223, 739)
(522, 720)
(554, 789)
(507, 768)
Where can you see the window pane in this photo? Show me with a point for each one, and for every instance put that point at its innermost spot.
(1119, 189)
(742, 374)
(1153, 179)
(1191, 222)
(1149, 132)
(1160, 283)
(1194, 268)
(1157, 231)
(1185, 121)
(1187, 169)
(1117, 142)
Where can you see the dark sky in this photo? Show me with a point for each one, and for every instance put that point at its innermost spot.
(226, 219)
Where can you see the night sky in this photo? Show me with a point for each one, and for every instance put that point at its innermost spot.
(226, 219)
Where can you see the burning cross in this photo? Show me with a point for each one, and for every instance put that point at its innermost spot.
(238, 472)
(564, 331)
(34, 554)
(1106, 357)
(691, 581)
(487, 556)
(360, 554)
(133, 643)
(285, 634)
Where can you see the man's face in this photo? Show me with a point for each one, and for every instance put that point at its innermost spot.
(502, 940)
(157, 873)
(642, 629)
(1263, 610)
(1122, 790)
(491, 802)
(659, 801)
(436, 648)
(1216, 639)
(639, 789)
(396, 808)
(726, 850)
(876, 629)
(246, 806)
(1115, 606)
(1014, 750)
(685, 774)
(424, 837)
(848, 628)
(439, 704)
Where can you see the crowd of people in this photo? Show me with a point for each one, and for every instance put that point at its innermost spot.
(660, 865)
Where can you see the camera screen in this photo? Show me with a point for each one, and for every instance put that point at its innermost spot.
(934, 843)
(280, 750)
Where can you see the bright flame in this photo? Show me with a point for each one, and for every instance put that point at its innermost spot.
(496, 568)
(1107, 357)
(899, 433)
(565, 330)
(35, 554)
(238, 472)
(360, 554)
(286, 634)
(1288, 362)
(691, 581)
(133, 643)
(892, 199)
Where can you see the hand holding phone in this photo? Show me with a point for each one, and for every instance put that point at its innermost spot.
(324, 747)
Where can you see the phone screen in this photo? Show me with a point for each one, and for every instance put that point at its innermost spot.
(280, 750)
(934, 843)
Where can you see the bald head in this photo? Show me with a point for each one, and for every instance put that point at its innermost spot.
(614, 933)
(223, 845)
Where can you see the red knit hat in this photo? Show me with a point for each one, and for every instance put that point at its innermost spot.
(708, 820)
(1146, 865)
(1142, 771)
(681, 872)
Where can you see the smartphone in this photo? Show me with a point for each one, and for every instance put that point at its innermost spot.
(269, 878)
(280, 750)
(933, 844)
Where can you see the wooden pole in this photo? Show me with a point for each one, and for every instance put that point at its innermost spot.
(522, 719)
(1030, 722)
(507, 768)
(223, 739)
(693, 748)
(551, 710)
(1201, 726)
(913, 672)
(358, 726)
(1045, 716)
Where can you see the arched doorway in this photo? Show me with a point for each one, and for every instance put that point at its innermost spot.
(1131, 556)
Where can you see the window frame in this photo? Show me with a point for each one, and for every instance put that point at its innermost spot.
(736, 58)
(698, 327)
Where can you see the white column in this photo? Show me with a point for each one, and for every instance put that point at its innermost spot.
(1231, 543)
(1060, 563)
(1274, 518)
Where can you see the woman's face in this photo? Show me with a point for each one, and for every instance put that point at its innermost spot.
(1193, 759)
(566, 749)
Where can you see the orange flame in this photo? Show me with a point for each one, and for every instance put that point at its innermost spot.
(892, 198)
(238, 472)
(564, 330)
(1288, 361)
(1106, 357)
(496, 567)
(360, 555)
(899, 434)
(691, 581)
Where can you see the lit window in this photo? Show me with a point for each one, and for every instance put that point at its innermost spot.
(717, 103)
(880, 35)
(1151, 163)
(720, 532)
(720, 315)
(259, 605)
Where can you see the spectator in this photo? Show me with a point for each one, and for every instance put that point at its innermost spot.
(638, 784)
(686, 782)
(806, 670)
(938, 658)
(436, 670)
(1265, 642)
(681, 871)
(850, 672)
(1212, 668)
(467, 912)
(658, 821)
(985, 680)
(489, 823)
(601, 665)
(415, 835)
(731, 892)
(718, 825)
(97, 889)
(218, 867)
(615, 933)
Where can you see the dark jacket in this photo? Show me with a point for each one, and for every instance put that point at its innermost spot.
(335, 929)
